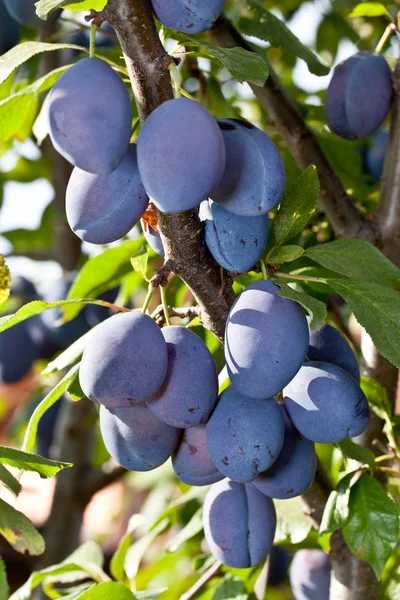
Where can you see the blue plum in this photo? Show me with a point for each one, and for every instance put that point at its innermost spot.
(153, 238)
(188, 16)
(9, 30)
(24, 12)
(192, 461)
(91, 135)
(266, 340)
(124, 362)
(18, 352)
(329, 345)
(254, 177)
(310, 575)
(181, 155)
(239, 524)
(359, 96)
(279, 562)
(244, 435)
(236, 242)
(374, 157)
(293, 471)
(325, 403)
(135, 438)
(103, 208)
(190, 388)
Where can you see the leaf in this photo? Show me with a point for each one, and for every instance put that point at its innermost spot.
(369, 9)
(356, 259)
(31, 462)
(297, 206)
(5, 280)
(19, 531)
(15, 57)
(377, 397)
(139, 262)
(45, 7)
(4, 588)
(74, 389)
(357, 452)
(107, 590)
(137, 551)
(102, 272)
(150, 594)
(25, 592)
(243, 65)
(315, 308)
(336, 511)
(10, 481)
(267, 27)
(279, 255)
(192, 528)
(377, 309)
(118, 559)
(230, 588)
(46, 403)
(292, 523)
(372, 528)
(69, 355)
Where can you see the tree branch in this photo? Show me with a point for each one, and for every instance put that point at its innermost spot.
(282, 114)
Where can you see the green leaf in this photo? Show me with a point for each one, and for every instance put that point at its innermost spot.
(150, 594)
(15, 57)
(4, 588)
(9, 480)
(377, 397)
(31, 462)
(242, 64)
(369, 9)
(118, 559)
(137, 551)
(315, 308)
(19, 531)
(46, 403)
(267, 27)
(140, 261)
(292, 523)
(372, 528)
(357, 452)
(356, 259)
(74, 389)
(102, 272)
(192, 528)
(5, 280)
(284, 254)
(69, 355)
(25, 592)
(297, 206)
(377, 309)
(230, 588)
(336, 511)
(45, 7)
(107, 590)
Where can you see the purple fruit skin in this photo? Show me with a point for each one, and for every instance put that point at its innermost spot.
(239, 524)
(260, 352)
(293, 471)
(244, 435)
(91, 135)
(329, 345)
(325, 403)
(135, 438)
(181, 155)
(254, 177)
(103, 208)
(190, 389)
(24, 12)
(153, 238)
(375, 155)
(192, 462)
(310, 575)
(236, 242)
(124, 362)
(359, 96)
(188, 16)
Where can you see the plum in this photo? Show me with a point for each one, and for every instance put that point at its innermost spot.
(374, 157)
(24, 12)
(192, 462)
(188, 16)
(310, 575)
(9, 30)
(153, 238)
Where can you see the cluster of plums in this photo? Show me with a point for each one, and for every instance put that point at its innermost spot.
(158, 395)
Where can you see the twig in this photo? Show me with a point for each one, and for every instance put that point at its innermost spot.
(181, 312)
(213, 570)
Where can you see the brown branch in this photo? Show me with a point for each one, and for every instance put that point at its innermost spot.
(180, 312)
(97, 480)
(282, 114)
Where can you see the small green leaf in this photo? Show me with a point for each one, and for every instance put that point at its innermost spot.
(267, 27)
(9, 480)
(297, 206)
(372, 528)
(19, 531)
(31, 462)
(5, 280)
(377, 397)
(74, 389)
(118, 559)
(45, 7)
(292, 524)
(192, 528)
(4, 588)
(315, 308)
(356, 259)
(369, 9)
(137, 551)
(140, 261)
(357, 452)
(107, 590)
(284, 254)
(230, 588)
(336, 511)
(70, 355)
(377, 309)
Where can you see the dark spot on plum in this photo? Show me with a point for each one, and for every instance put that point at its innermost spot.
(193, 410)
(225, 461)
(243, 242)
(227, 126)
(229, 422)
(256, 445)
(289, 491)
(241, 451)
(131, 402)
(192, 449)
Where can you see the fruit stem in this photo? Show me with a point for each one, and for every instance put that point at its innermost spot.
(92, 46)
(264, 269)
(135, 125)
(163, 291)
(390, 29)
(300, 277)
(150, 291)
(176, 79)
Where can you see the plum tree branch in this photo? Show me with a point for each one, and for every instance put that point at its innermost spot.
(283, 115)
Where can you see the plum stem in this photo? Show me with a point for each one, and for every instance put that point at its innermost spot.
(390, 29)
(150, 291)
(163, 291)
(264, 269)
(92, 46)
(176, 79)
(300, 277)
